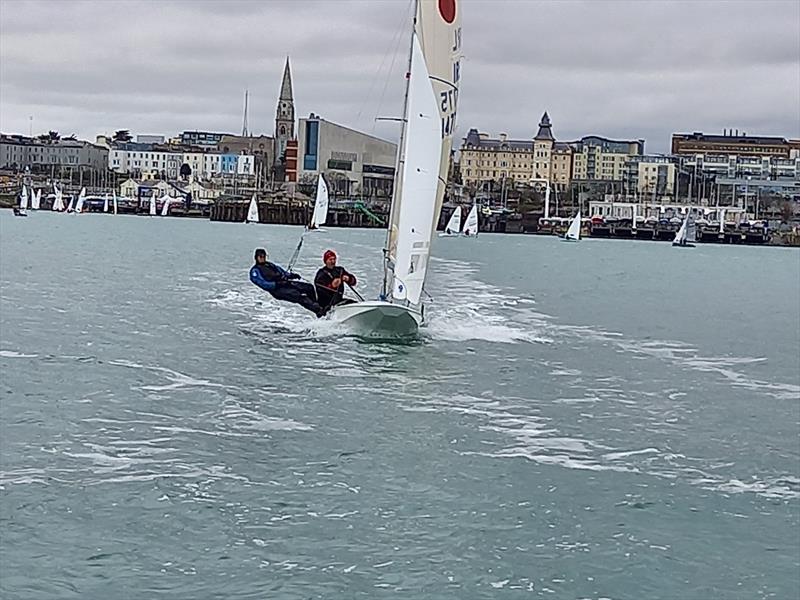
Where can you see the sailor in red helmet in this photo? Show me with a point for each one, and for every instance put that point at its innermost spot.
(330, 282)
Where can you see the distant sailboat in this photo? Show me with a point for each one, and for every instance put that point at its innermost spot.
(574, 232)
(471, 224)
(20, 211)
(81, 200)
(252, 211)
(115, 201)
(105, 203)
(58, 201)
(71, 205)
(320, 214)
(36, 199)
(685, 236)
(453, 225)
(318, 217)
(165, 207)
(152, 210)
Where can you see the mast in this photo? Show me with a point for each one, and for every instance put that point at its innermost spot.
(396, 189)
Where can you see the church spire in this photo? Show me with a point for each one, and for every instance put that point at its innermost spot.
(286, 86)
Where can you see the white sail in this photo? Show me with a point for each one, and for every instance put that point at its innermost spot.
(680, 236)
(23, 199)
(81, 200)
(691, 229)
(152, 210)
(574, 231)
(722, 220)
(438, 33)
(252, 211)
(454, 224)
(165, 207)
(420, 177)
(58, 201)
(36, 199)
(105, 203)
(114, 198)
(320, 214)
(471, 224)
(71, 205)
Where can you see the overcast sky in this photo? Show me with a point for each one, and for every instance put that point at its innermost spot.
(619, 69)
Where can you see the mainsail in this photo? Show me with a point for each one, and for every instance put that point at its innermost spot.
(471, 224)
(36, 199)
(81, 200)
(23, 199)
(574, 231)
(105, 203)
(680, 236)
(454, 224)
(320, 214)
(252, 211)
(58, 201)
(424, 153)
(152, 210)
(165, 207)
(114, 198)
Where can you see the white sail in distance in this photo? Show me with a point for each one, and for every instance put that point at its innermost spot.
(58, 201)
(320, 214)
(165, 206)
(23, 198)
(114, 199)
(471, 224)
(81, 200)
(574, 231)
(36, 199)
(454, 223)
(252, 211)
(105, 203)
(152, 208)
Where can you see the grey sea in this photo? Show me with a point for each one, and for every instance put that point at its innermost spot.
(606, 419)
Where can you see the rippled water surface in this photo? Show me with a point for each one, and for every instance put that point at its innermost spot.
(598, 420)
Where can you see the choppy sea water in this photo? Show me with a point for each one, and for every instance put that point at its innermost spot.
(605, 419)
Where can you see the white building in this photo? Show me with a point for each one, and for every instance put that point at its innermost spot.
(145, 160)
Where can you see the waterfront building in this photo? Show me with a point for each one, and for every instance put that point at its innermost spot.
(144, 188)
(150, 139)
(598, 158)
(355, 164)
(44, 154)
(160, 161)
(730, 143)
(652, 175)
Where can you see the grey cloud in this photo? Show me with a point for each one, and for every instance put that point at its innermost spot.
(622, 69)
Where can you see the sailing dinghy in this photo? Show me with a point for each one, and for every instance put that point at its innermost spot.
(58, 201)
(574, 232)
(20, 211)
(318, 217)
(152, 211)
(685, 236)
(81, 200)
(428, 121)
(252, 211)
(36, 199)
(453, 225)
(471, 224)
(165, 206)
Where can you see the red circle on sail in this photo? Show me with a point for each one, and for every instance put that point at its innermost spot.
(447, 8)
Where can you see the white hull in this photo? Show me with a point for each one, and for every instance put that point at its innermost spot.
(378, 319)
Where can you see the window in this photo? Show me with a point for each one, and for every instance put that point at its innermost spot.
(312, 142)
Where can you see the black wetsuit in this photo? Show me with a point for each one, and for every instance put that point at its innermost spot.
(283, 285)
(326, 294)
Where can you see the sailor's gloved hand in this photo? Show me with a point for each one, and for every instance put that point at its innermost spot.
(293, 276)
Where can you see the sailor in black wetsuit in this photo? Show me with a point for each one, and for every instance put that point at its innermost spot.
(283, 285)
(330, 281)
